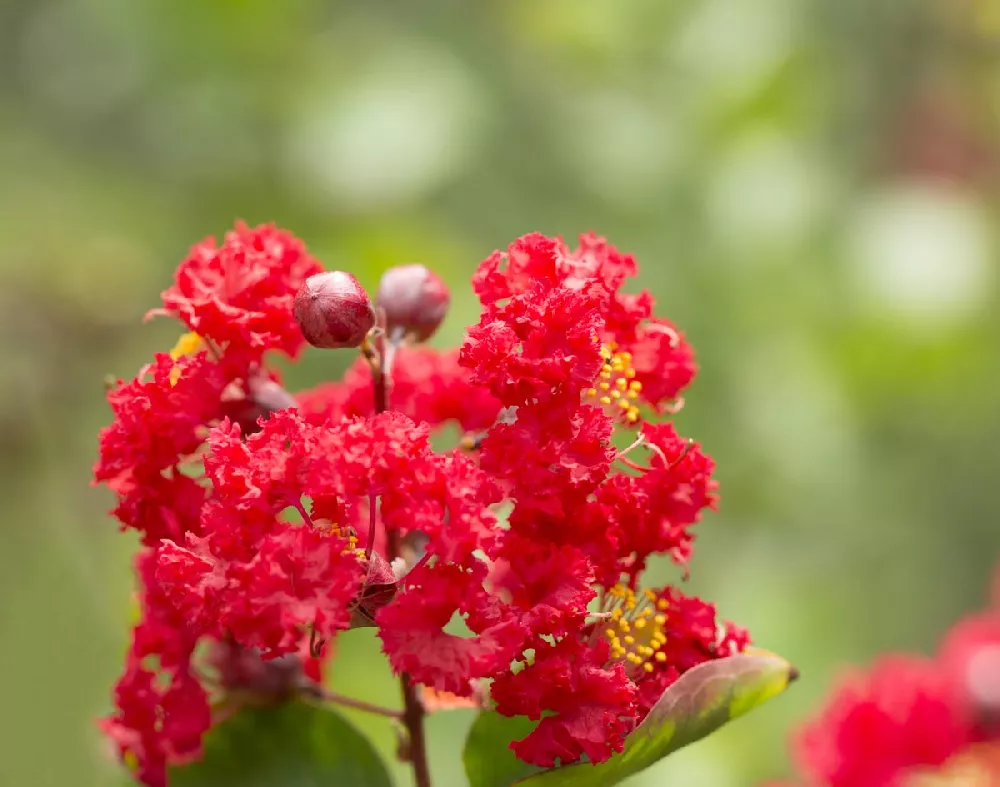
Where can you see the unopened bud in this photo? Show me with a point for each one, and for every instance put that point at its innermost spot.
(404, 748)
(242, 671)
(982, 682)
(333, 310)
(264, 396)
(269, 395)
(415, 300)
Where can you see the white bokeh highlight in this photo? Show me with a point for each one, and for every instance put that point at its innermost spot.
(922, 256)
(401, 128)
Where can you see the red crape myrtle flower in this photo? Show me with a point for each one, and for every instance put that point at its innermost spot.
(912, 721)
(240, 294)
(271, 522)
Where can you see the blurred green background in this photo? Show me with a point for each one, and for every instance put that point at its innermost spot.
(811, 187)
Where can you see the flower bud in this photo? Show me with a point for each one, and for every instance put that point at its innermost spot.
(415, 300)
(404, 748)
(333, 310)
(264, 396)
(241, 670)
(982, 684)
(269, 396)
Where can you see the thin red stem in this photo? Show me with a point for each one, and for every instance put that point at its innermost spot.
(213, 350)
(413, 713)
(350, 702)
(633, 465)
(303, 513)
(371, 528)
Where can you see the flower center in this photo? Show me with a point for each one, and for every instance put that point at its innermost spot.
(349, 534)
(353, 547)
(615, 386)
(634, 627)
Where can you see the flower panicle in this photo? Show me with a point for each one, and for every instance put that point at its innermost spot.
(272, 521)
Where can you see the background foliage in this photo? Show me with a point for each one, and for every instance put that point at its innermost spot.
(810, 185)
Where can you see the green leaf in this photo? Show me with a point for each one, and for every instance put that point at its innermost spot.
(488, 760)
(296, 744)
(700, 702)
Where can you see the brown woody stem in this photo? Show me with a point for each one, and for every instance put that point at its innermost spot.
(413, 713)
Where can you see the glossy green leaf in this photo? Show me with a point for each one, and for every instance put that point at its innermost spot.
(488, 760)
(699, 703)
(296, 744)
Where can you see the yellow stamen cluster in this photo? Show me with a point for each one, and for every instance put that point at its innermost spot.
(352, 542)
(616, 385)
(635, 627)
(187, 344)
(130, 760)
(350, 535)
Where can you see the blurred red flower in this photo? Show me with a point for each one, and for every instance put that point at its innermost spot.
(912, 721)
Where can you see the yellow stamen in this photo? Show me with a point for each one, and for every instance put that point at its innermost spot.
(187, 344)
(636, 633)
(615, 383)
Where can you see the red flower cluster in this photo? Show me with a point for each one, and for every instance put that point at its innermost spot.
(269, 522)
(913, 721)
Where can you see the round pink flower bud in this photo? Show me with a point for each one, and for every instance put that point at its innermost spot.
(414, 299)
(333, 310)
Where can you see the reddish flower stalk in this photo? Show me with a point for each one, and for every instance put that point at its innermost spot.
(413, 709)
(351, 702)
